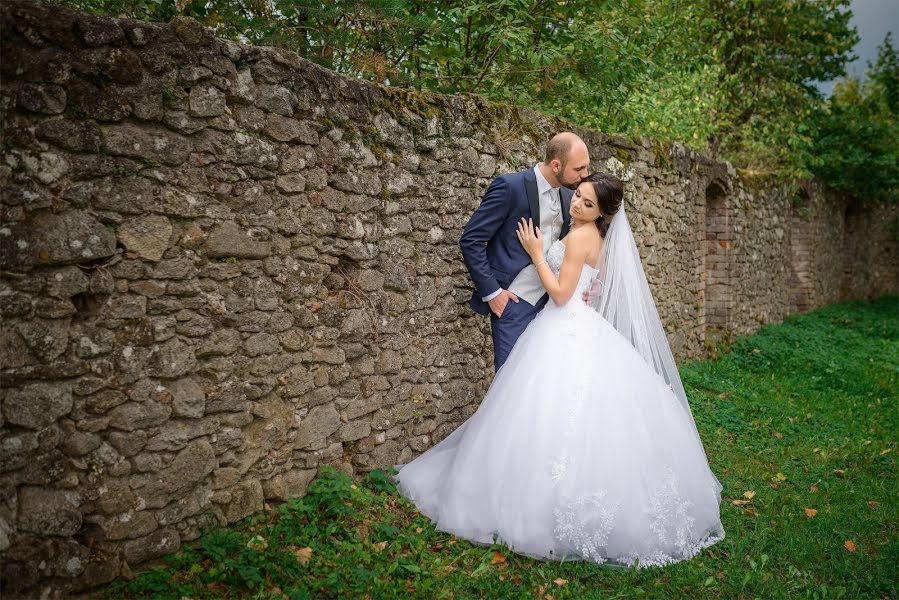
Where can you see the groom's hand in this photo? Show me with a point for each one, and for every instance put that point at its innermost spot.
(498, 304)
(592, 293)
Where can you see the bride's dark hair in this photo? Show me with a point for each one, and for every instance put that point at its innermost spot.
(609, 191)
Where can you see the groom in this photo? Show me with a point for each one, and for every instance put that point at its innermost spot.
(507, 285)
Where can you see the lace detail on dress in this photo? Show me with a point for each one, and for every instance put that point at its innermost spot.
(554, 257)
(673, 526)
(584, 524)
(559, 466)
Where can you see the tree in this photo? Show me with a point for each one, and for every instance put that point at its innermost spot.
(855, 146)
(733, 78)
(771, 52)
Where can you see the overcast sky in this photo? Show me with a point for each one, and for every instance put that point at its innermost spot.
(872, 19)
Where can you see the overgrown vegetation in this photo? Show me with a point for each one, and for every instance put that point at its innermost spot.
(731, 78)
(799, 424)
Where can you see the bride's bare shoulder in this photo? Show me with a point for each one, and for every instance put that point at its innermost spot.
(585, 237)
(584, 241)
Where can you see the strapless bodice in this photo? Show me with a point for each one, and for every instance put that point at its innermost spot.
(554, 258)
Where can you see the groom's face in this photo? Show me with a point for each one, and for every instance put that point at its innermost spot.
(575, 167)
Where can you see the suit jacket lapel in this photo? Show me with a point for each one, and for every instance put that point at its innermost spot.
(565, 195)
(530, 185)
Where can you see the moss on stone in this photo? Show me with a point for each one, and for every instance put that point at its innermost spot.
(662, 151)
(621, 154)
(498, 116)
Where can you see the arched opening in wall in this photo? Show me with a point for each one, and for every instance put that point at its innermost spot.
(853, 233)
(716, 288)
(801, 263)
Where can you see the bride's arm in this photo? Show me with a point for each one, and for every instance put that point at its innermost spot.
(562, 288)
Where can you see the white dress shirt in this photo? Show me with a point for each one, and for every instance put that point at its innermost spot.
(527, 285)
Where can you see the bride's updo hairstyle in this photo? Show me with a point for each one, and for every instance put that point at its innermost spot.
(609, 191)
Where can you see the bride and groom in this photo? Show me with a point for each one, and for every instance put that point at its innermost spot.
(584, 447)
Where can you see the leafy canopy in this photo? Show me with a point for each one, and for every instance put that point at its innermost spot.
(731, 78)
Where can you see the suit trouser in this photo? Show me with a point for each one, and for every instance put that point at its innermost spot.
(506, 330)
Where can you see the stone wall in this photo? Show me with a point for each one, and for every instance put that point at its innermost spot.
(223, 267)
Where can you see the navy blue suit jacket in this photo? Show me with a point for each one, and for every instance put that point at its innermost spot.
(490, 247)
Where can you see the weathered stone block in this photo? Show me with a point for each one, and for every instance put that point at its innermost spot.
(246, 498)
(319, 423)
(69, 237)
(354, 431)
(190, 467)
(158, 543)
(288, 485)
(188, 398)
(206, 101)
(47, 512)
(171, 359)
(228, 239)
(147, 236)
(145, 142)
(37, 405)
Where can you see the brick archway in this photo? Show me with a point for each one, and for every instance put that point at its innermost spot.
(717, 293)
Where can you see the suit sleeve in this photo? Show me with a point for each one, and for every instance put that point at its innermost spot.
(482, 226)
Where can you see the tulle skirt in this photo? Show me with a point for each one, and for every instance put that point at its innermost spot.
(579, 451)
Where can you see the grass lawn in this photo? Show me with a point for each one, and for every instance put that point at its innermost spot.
(799, 422)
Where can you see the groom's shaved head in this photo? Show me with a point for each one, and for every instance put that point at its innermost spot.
(567, 158)
(561, 145)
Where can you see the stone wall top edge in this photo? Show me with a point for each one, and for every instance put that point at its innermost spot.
(71, 28)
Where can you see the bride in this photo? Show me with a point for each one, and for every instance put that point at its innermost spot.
(584, 447)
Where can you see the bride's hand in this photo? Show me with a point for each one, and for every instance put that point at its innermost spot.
(530, 238)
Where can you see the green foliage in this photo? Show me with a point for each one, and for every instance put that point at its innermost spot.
(801, 414)
(731, 78)
(855, 145)
(770, 54)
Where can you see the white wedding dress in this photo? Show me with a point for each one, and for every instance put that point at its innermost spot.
(579, 451)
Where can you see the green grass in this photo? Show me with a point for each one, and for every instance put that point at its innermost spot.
(803, 414)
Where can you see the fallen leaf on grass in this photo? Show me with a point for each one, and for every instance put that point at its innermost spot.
(418, 530)
(560, 581)
(303, 555)
(749, 494)
(257, 543)
(750, 512)
(723, 395)
(497, 558)
(849, 545)
(741, 502)
(781, 477)
(839, 472)
(380, 545)
(813, 487)
(873, 505)
(882, 452)
(810, 512)
(778, 435)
